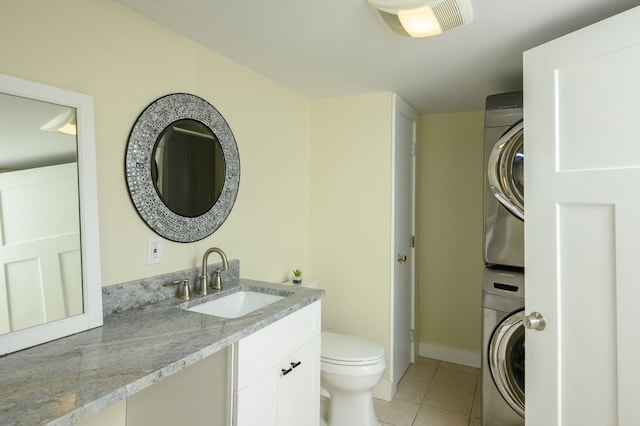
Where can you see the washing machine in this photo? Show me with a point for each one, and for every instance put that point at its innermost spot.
(503, 348)
(504, 181)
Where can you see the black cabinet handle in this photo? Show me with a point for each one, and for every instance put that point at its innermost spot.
(286, 371)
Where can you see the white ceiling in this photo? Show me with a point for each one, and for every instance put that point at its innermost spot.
(339, 47)
(23, 144)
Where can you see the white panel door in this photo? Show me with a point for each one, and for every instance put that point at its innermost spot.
(582, 228)
(403, 227)
(40, 274)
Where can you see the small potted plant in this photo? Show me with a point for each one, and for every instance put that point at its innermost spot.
(297, 276)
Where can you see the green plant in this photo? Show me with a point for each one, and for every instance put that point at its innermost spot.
(297, 273)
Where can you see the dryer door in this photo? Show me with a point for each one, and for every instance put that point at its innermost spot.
(506, 360)
(506, 170)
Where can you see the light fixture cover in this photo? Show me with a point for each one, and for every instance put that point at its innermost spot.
(403, 17)
(64, 122)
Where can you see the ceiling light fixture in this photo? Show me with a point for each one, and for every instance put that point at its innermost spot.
(422, 18)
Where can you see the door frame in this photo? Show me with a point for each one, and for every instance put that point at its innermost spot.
(402, 107)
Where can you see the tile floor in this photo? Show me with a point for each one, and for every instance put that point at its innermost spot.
(434, 393)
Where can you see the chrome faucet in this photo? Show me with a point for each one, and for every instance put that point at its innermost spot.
(217, 282)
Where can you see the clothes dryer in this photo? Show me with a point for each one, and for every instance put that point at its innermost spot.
(504, 181)
(503, 348)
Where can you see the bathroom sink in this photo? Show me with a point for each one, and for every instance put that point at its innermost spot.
(236, 304)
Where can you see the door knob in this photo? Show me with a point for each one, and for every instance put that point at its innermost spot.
(402, 258)
(534, 321)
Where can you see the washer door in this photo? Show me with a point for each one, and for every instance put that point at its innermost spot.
(506, 360)
(506, 170)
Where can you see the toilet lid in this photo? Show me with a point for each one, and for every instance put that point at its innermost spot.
(345, 349)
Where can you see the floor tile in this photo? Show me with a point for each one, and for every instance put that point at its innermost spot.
(432, 416)
(459, 367)
(398, 412)
(449, 398)
(434, 393)
(453, 378)
(412, 389)
(476, 412)
(422, 370)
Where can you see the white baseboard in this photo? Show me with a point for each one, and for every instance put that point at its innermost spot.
(444, 353)
(384, 390)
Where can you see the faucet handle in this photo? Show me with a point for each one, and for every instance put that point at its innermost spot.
(184, 291)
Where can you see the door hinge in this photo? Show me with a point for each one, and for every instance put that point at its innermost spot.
(413, 336)
(413, 241)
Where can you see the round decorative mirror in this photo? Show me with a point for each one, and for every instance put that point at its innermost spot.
(182, 167)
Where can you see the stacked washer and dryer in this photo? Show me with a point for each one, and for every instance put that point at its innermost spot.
(503, 283)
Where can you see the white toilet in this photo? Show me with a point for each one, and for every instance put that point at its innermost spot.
(350, 367)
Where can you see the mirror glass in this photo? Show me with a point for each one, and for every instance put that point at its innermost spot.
(46, 280)
(188, 168)
(182, 167)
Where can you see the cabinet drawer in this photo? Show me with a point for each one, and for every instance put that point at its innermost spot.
(265, 348)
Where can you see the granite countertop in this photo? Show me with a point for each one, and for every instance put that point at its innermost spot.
(68, 379)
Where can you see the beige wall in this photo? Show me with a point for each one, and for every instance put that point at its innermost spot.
(449, 230)
(340, 235)
(350, 212)
(125, 62)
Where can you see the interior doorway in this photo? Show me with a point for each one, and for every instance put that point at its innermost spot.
(403, 259)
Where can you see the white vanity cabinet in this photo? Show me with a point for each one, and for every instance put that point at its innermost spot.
(277, 372)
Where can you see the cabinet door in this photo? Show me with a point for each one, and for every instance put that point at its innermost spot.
(298, 391)
(277, 372)
(256, 403)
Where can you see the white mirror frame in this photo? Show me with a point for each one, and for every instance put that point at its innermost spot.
(89, 230)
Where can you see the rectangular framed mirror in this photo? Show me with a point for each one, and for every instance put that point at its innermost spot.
(50, 280)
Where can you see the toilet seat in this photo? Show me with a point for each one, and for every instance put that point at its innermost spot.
(346, 350)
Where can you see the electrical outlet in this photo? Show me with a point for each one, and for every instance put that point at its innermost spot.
(154, 250)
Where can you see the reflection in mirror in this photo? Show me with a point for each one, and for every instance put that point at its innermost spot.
(182, 167)
(38, 167)
(49, 281)
(188, 168)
